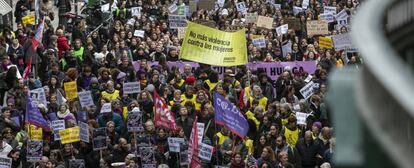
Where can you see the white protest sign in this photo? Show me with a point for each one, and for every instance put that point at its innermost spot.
(296, 10)
(205, 151)
(5, 162)
(241, 7)
(301, 118)
(200, 132)
(105, 7)
(139, 33)
(38, 96)
(342, 15)
(282, 29)
(329, 9)
(287, 48)
(174, 144)
(85, 99)
(329, 17)
(251, 17)
(259, 42)
(342, 42)
(343, 22)
(56, 126)
(84, 132)
(172, 8)
(307, 90)
(131, 87)
(131, 22)
(136, 11)
(220, 3)
(106, 108)
(305, 4)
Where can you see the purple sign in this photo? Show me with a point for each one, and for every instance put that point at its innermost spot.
(229, 115)
(273, 69)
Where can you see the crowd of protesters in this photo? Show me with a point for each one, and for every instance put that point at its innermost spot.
(101, 61)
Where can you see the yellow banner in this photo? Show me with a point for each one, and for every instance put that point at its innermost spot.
(214, 47)
(35, 133)
(69, 135)
(71, 90)
(325, 42)
(29, 19)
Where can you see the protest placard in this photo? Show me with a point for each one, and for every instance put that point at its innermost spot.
(69, 135)
(282, 29)
(329, 17)
(329, 9)
(177, 21)
(342, 42)
(301, 118)
(184, 158)
(139, 33)
(35, 132)
(251, 17)
(206, 4)
(28, 20)
(56, 126)
(241, 7)
(71, 90)
(172, 8)
(343, 15)
(85, 99)
(105, 7)
(82, 116)
(181, 32)
(84, 132)
(287, 48)
(317, 27)
(77, 163)
(174, 144)
(147, 156)
(297, 10)
(131, 87)
(134, 121)
(214, 47)
(99, 139)
(307, 90)
(106, 108)
(205, 151)
(131, 22)
(259, 42)
(5, 162)
(34, 150)
(136, 11)
(264, 22)
(325, 42)
(200, 132)
(38, 96)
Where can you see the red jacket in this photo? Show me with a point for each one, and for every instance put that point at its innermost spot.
(62, 45)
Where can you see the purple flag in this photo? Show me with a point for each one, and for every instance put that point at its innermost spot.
(229, 115)
(33, 115)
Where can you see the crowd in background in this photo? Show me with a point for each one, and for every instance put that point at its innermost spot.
(102, 60)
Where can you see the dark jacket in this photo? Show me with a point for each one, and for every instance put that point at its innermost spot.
(308, 152)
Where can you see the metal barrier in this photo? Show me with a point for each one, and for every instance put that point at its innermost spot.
(383, 91)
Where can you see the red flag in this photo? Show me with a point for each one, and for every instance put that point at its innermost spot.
(163, 116)
(193, 146)
(27, 69)
(244, 98)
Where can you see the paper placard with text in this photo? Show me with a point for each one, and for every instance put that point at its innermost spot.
(214, 47)
(69, 135)
(325, 42)
(317, 27)
(71, 90)
(264, 22)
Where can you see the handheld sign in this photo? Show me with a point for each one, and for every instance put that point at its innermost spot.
(84, 132)
(106, 108)
(34, 150)
(85, 99)
(99, 139)
(131, 87)
(307, 90)
(134, 121)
